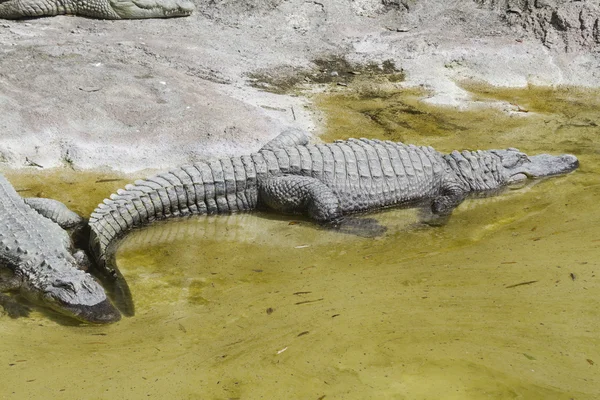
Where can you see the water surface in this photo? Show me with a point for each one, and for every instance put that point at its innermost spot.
(500, 303)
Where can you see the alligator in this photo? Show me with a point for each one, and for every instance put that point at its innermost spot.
(327, 182)
(39, 262)
(102, 9)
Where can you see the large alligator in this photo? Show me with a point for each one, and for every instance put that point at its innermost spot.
(102, 9)
(38, 260)
(324, 181)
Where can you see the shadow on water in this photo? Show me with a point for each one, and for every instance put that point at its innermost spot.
(501, 302)
(116, 287)
(109, 275)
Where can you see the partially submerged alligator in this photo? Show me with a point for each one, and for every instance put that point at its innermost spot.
(103, 9)
(37, 260)
(324, 181)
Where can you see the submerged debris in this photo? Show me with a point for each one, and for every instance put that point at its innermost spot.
(520, 284)
(309, 301)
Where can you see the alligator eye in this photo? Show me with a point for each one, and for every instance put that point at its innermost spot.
(521, 159)
(516, 159)
(64, 285)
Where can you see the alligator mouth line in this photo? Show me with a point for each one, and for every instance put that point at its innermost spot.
(155, 8)
(168, 13)
(545, 165)
(100, 313)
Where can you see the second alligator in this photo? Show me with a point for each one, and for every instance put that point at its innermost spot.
(324, 181)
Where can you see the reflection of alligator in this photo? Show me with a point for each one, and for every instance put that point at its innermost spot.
(38, 261)
(105, 9)
(325, 181)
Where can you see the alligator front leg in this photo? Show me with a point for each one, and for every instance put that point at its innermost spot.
(303, 194)
(8, 282)
(451, 196)
(55, 211)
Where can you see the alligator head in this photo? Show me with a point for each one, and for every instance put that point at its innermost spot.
(104, 9)
(518, 166)
(71, 292)
(151, 8)
(489, 171)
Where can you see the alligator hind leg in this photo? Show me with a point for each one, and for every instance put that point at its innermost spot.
(289, 138)
(55, 211)
(293, 194)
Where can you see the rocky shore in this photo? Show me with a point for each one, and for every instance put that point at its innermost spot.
(139, 94)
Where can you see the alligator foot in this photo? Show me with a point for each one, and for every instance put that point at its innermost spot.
(13, 308)
(432, 219)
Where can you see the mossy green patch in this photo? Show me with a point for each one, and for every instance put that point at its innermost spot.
(326, 70)
(531, 119)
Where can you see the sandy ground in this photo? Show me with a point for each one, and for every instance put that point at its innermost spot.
(140, 94)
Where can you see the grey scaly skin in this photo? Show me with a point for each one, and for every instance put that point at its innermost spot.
(102, 9)
(38, 261)
(324, 181)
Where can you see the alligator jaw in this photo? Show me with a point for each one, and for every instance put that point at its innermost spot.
(101, 313)
(151, 8)
(73, 293)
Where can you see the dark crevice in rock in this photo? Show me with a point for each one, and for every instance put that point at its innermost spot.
(559, 24)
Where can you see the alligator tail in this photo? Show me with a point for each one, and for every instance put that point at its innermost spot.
(213, 187)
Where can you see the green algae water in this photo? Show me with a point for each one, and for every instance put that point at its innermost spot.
(501, 303)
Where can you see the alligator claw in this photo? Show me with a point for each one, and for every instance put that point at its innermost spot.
(428, 217)
(362, 227)
(436, 220)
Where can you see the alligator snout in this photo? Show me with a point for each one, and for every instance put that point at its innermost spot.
(542, 165)
(77, 294)
(100, 313)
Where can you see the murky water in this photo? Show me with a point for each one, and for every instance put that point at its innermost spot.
(501, 303)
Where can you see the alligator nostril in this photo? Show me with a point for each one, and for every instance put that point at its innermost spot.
(571, 160)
